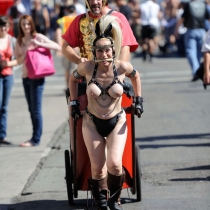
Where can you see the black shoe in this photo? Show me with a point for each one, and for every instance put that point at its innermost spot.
(195, 78)
(5, 142)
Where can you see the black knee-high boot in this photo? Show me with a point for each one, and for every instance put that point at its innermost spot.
(115, 184)
(100, 192)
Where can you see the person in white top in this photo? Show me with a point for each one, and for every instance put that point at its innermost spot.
(80, 9)
(150, 15)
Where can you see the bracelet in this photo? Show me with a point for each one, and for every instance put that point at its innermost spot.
(74, 102)
(77, 75)
(132, 74)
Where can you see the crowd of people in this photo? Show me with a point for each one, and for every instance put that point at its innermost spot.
(155, 24)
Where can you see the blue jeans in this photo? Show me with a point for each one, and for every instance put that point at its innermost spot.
(6, 83)
(193, 45)
(33, 92)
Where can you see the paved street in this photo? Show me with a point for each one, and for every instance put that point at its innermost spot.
(173, 136)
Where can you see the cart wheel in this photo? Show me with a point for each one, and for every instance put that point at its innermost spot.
(138, 174)
(68, 177)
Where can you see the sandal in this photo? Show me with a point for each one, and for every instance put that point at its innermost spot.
(27, 144)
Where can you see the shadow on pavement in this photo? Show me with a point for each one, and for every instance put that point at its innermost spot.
(191, 179)
(45, 204)
(195, 168)
(79, 204)
(173, 145)
(173, 137)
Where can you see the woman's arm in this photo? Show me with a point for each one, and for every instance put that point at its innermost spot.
(75, 78)
(136, 82)
(134, 76)
(43, 41)
(14, 62)
(73, 87)
(19, 57)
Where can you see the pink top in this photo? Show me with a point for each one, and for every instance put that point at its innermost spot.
(72, 34)
(6, 55)
(20, 50)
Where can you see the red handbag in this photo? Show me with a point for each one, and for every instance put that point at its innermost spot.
(39, 63)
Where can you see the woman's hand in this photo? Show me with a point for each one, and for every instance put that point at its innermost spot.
(4, 63)
(206, 78)
(35, 42)
(139, 106)
(1, 66)
(75, 111)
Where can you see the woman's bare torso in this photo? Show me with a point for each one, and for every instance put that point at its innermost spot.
(104, 106)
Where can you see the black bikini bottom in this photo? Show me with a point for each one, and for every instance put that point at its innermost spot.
(104, 127)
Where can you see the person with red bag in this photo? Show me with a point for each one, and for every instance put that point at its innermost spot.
(29, 39)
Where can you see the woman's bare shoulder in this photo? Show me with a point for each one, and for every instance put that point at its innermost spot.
(86, 66)
(123, 66)
(40, 37)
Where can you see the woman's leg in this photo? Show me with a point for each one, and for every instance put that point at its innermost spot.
(115, 147)
(96, 145)
(36, 90)
(6, 84)
(26, 87)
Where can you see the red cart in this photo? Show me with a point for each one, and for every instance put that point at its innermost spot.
(77, 162)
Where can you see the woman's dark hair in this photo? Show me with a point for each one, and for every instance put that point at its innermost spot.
(4, 20)
(20, 31)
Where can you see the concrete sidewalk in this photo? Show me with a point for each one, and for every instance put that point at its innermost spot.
(16, 163)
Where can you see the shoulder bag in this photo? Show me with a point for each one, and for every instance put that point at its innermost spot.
(39, 63)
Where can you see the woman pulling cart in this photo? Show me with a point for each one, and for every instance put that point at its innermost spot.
(104, 121)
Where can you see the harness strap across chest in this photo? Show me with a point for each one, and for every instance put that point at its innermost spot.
(104, 91)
